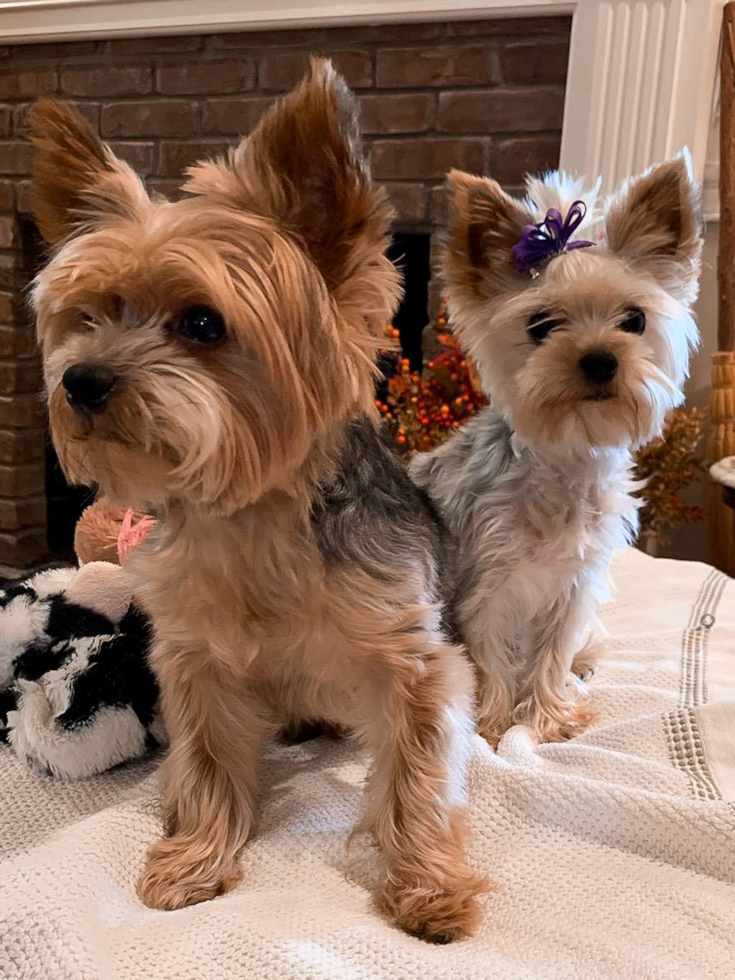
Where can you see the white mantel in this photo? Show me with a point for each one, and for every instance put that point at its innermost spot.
(642, 73)
(30, 19)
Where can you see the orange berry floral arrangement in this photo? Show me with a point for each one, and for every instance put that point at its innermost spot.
(420, 409)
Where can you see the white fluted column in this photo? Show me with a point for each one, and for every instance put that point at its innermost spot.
(641, 83)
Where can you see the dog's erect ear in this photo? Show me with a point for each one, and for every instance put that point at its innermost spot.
(655, 224)
(76, 178)
(303, 166)
(484, 226)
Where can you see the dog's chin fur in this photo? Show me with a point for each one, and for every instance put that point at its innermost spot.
(537, 489)
(295, 572)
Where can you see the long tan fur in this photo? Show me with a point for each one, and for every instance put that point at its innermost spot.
(266, 613)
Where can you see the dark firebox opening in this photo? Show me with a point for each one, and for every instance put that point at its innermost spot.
(411, 255)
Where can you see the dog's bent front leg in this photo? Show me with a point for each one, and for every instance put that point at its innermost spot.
(209, 778)
(419, 729)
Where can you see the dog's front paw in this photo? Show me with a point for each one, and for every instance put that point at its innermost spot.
(436, 913)
(556, 721)
(492, 733)
(586, 661)
(493, 725)
(175, 876)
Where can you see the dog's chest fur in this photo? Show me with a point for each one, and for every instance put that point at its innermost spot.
(293, 590)
(528, 528)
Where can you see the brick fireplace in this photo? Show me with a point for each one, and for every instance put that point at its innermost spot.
(485, 96)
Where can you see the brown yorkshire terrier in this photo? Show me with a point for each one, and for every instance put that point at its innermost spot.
(211, 360)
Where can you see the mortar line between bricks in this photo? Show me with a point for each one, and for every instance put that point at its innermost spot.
(440, 136)
(253, 93)
(101, 58)
(209, 52)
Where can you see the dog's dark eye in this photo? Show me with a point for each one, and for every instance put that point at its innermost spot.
(201, 324)
(634, 322)
(541, 324)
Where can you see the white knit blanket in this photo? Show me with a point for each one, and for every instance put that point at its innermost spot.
(613, 856)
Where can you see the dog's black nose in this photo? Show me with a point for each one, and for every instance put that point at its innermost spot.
(598, 366)
(88, 385)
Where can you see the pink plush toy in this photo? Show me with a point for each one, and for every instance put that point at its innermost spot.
(134, 530)
(107, 533)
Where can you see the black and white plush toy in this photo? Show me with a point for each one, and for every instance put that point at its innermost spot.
(76, 693)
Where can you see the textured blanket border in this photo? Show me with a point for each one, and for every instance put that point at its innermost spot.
(681, 728)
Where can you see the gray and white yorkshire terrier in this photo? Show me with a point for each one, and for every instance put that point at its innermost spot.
(212, 360)
(583, 348)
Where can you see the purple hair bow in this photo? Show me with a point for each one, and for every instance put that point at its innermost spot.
(549, 237)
